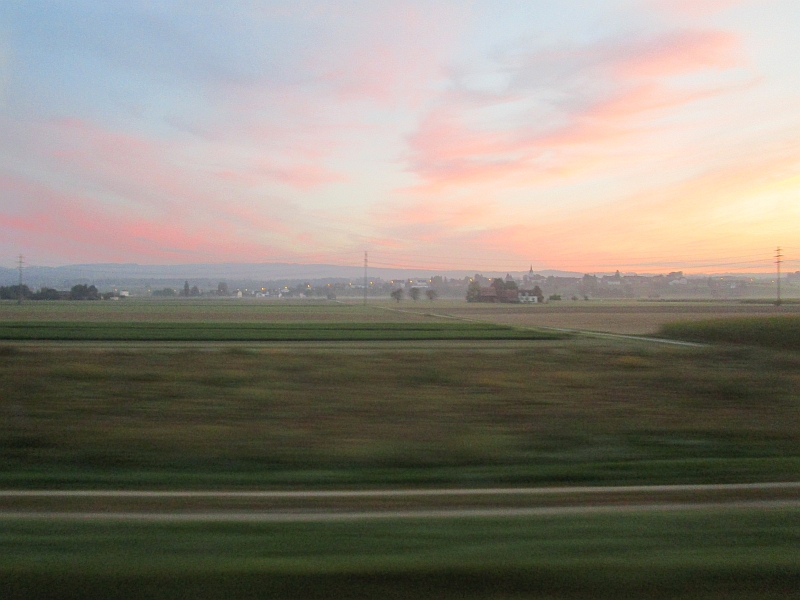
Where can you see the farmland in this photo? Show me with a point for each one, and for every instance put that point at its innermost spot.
(200, 311)
(264, 332)
(779, 332)
(624, 317)
(745, 555)
(431, 402)
(223, 396)
(544, 411)
(621, 317)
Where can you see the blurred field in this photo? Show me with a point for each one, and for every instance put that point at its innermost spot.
(631, 318)
(228, 310)
(624, 317)
(393, 406)
(264, 332)
(733, 554)
(780, 332)
(560, 411)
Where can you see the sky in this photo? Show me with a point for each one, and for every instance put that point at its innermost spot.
(641, 135)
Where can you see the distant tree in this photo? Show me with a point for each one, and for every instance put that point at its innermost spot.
(397, 294)
(414, 293)
(511, 285)
(537, 291)
(554, 297)
(84, 292)
(473, 291)
(302, 288)
(195, 291)
(222, 288)
(186, 289)
(165, 293)
(12, 292)
(47, 294)
(499, 285)
(431, 294)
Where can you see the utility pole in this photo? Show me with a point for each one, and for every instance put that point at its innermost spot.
(19, 289)
(365, 277)
(778, 257)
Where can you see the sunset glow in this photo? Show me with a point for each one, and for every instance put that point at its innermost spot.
(643, 135)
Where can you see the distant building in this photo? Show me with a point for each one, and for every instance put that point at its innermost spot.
(487, 294)
(531, 278)
(492, 294)
(534, 296)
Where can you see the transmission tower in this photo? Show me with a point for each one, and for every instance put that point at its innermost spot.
(19, 289)
(778, 260)
(365, 277)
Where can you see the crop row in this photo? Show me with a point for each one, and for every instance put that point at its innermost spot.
(779, 332)
(263, 332)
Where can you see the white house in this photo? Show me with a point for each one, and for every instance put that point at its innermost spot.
(528, 296)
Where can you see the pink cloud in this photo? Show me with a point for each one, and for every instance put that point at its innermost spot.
(135, 168)
(620, 88)
(304, 176)
(430, 221)
(387, 53)
(82, 228)
(299, 176)
(697, 8)
(160, 178)
(107, 194)
(679, 53)
(669, 226)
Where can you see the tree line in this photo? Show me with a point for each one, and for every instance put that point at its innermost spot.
(77, 292)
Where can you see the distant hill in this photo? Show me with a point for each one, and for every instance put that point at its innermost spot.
(108, 275)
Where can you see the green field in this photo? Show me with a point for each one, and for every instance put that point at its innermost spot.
(733, 553)
(210, 311)
(264, 332)
(548, 411)
(522, 410)
(619, 316)
(780, 332)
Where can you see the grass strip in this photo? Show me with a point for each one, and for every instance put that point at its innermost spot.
(710, 554)
(232, 476)
(779, 332)
(546, 413)
(389, 331)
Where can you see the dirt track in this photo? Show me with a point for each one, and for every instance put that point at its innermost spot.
(327, 516)
(312, 505)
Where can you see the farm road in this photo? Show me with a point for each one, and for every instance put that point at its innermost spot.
(351, 505)
(387, 493)
(328, 516)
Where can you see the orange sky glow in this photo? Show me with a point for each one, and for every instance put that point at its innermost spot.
(645, 136)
